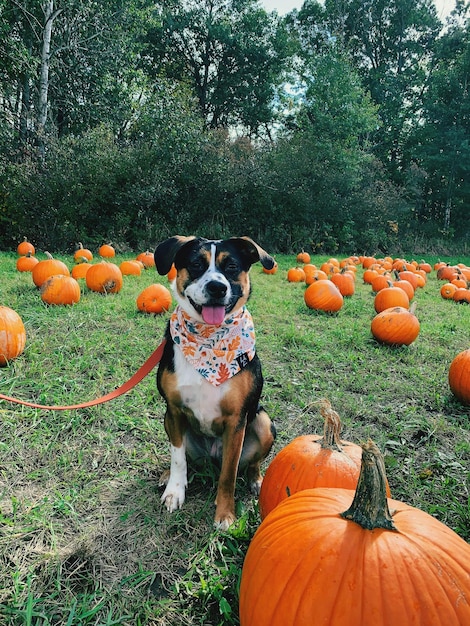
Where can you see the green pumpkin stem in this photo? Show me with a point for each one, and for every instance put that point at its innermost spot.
(369, 508)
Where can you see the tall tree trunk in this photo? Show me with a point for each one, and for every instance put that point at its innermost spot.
(49, 16)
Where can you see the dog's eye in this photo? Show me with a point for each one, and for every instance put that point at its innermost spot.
(196, 267)
(231, 268)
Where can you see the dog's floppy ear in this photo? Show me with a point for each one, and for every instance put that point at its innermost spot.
(166, 251)
(254, 252)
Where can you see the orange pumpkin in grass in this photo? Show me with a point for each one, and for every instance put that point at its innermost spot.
(173, 271)
(104, 277)
(340, 557)
(80, 270)
(344, 280)
(47, 268)
(461, 295)
(25, 247)
(60, 290)
(390, 297)
(303, 257)
(154, 299)
(107, 251)
(130, 268)
(82, 254)
(459, 376)
(397, 326)
(323, 295)
(447, 290)
(296, 275)
(12, 335)
(26, 263)
(311, 461)
(147, 259)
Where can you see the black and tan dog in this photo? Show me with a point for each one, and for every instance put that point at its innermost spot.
(210, 375)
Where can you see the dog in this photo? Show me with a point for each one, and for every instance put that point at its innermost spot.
(210, 375)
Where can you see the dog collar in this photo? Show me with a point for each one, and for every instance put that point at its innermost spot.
(216, 352)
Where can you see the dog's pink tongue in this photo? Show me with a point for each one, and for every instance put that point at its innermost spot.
(213, 314)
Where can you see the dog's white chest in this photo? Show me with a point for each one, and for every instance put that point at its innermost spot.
(197, 393)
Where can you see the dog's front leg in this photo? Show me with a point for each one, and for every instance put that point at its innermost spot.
(232, 441)
(174, 494)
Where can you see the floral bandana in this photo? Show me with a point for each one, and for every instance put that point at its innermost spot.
(217, 352)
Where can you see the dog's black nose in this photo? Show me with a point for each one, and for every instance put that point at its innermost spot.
(216, 289)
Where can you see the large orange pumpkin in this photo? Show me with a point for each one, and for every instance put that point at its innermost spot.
(459, 376)
(47, 268)
(323, 295)
(344, 280)
(390, 297)
(396, 326)
(311, 461)
(104, 277)
(154, 299)
(343, 558)
(303, 257)
(60, 290)
(12, 335)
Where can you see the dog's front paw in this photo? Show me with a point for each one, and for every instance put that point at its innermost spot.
(224, 522)
(173, 497)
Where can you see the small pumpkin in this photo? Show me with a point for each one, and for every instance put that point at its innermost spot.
(154, 299)
(147, 259)
(47, 268)
(25, 247)
(296, 275)
(107, 251)
(344, 280)
(397, 326)
(130, 268)
(311, 461)
(173, 272)
(345, 558)
(323, 295)
(390, 297)
(447, 291)
(80, 270)
(12, 335)
(461, 295)
(26, 263)
(303, 257)
(60, 290)
(273, 270)
(104, 277)
(82, 253)
(459, 376)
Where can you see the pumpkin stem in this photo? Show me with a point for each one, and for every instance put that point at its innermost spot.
(369, 508)
(331, 427)
(413, 306)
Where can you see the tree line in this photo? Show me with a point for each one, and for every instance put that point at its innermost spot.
(340, 126)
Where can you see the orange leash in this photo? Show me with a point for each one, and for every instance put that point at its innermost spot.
(141, 373)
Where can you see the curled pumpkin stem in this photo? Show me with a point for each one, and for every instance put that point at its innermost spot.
(370, 508)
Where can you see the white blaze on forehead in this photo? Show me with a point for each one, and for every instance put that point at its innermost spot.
(212, 261)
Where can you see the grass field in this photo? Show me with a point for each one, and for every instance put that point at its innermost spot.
(83, 537)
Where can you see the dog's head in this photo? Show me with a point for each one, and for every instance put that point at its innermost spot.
(212, 278)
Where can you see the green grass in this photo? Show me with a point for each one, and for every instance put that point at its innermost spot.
(83, 537)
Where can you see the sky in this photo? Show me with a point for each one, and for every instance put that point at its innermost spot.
(444, 7)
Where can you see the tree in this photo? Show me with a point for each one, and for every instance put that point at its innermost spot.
(442, 141)
(390, 42)
(231, 52)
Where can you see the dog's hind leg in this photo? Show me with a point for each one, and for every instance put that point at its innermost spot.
(259, 438)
